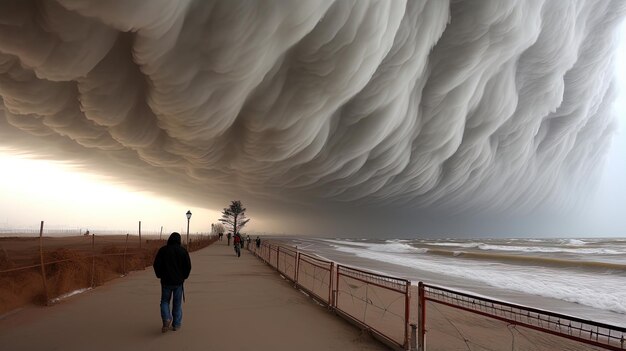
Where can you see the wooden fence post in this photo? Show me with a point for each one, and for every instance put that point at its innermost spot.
(140, 234)
(43, 267)
(93, 259)
(124, 262)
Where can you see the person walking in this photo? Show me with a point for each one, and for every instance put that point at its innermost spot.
(228, 237)
(172, 265)
(238, 243)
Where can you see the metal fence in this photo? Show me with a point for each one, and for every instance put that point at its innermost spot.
(375, 302)
(287, 262)
(316, 277)
(452, 320)
(558, 331)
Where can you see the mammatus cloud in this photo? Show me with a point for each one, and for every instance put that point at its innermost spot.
(448, 104)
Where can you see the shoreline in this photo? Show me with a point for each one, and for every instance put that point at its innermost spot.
(484, 313)
(417, 273)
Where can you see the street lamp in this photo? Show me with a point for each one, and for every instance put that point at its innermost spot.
(188, 218)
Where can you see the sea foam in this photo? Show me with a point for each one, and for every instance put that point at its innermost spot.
(593, 290)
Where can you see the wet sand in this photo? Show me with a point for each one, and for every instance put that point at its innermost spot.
(231, 304)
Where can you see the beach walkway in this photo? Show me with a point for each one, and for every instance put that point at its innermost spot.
(231, 304)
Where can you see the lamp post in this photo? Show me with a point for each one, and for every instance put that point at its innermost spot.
(188, 218)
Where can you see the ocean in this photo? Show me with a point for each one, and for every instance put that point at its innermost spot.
(580, 277)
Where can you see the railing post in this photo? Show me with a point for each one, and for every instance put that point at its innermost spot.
(330, 285)
(43, 267)
(413, 337)
(277, 258)
(297, 268)
(407, 316)
(421, 317)
(336, 297)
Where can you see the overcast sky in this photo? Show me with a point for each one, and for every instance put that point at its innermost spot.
(325, 118)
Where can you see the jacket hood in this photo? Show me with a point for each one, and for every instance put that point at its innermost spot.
(174, 239)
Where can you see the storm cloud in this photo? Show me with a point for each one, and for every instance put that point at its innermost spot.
(454, 105)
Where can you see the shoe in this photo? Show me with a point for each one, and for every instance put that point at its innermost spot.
(175, 327)
(166, 326)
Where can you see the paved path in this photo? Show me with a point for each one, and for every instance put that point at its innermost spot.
(232, 304)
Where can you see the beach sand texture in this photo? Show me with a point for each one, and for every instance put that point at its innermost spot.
(231, 304)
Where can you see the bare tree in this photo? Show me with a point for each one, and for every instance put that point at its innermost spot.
(234, 216)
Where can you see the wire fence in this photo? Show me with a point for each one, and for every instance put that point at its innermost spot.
(315, 276)
(428, 317)
(75, 231)
(45, 269)
(287, 262)
(377, 303)
(551, 330)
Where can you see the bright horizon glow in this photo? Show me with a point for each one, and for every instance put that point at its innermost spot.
(63, 197)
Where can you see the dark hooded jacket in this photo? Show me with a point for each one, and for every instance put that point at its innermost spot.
(172, 263)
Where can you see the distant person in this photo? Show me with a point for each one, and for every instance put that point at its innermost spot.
(240, 239)
(248, 240)
(172, 265)
(258, 242)
(221, 236)
(228, 237)
(238, 243)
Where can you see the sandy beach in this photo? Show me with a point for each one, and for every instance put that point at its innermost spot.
(231, 304)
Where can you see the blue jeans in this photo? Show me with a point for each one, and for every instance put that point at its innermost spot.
(177, 304)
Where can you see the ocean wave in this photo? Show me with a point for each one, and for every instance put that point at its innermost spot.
(574, 242)
(531, 260)
(548, 249)
(536, 249)
(390, 246)
(467, 245)
(593, 290)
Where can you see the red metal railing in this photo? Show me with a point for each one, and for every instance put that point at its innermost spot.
(287, 262)
(378, 302)
(272, 257)
(355, 294)
(320, 278)
(315, 276)
(583, 331)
